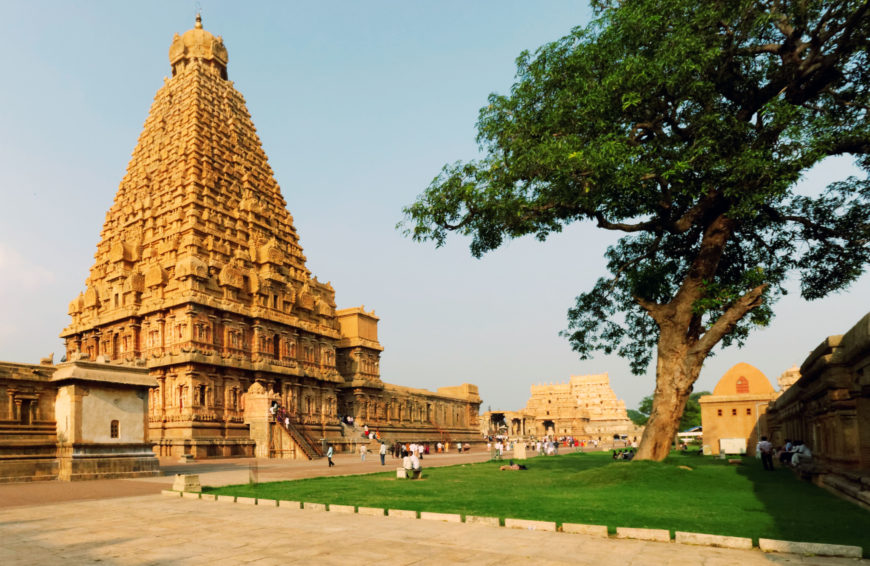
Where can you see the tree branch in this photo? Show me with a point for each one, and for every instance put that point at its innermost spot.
(729, 319)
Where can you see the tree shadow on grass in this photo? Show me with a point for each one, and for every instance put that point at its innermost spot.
(804, 512)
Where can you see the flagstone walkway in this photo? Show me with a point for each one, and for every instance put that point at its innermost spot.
(127, 522)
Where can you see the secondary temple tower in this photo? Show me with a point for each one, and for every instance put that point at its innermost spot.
(199, 272)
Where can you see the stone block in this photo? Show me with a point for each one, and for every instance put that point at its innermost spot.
(314, 506)
(267, 502)
(659, 535)
(247, 500)
(289, 504)
(530, 525)
(819, 549)
(171, 493)
(402, 513)
(226, 498)
(489, 521)
(372, 511)
(190, 495)
(713, 540)
(579, 529)
(342, 509)
(449, 517)
(208, 497)
(186, 482)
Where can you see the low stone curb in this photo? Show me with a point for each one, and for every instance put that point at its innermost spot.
(488, 521)
(402, 513)
(659, 535)
(449, 517)
(530, 525)
(713, 540)
(579, 529)
(819, 549)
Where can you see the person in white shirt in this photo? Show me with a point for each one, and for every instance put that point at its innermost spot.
(415, 466)
(765, 450)
(801, 453)
(362, 452)
(383, 453)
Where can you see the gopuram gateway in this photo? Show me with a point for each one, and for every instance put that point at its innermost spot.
(585, 407)
(200, 276)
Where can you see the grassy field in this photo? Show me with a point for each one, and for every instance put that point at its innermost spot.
(683, 493)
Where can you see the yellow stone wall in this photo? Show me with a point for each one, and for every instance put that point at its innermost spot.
(740, 397)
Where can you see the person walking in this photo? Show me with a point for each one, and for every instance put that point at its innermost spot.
(765, 449)
(362, 452)
(383, 452)
(329, 453)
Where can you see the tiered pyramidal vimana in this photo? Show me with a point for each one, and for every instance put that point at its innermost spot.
(199, 275)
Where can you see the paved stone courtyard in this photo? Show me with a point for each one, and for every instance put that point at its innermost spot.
(107, 523)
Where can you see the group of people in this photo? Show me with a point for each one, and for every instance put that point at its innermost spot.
(626, 454)
(411, 464)
(791, 453)
(382, 452)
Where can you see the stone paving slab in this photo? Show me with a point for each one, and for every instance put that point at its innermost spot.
(402, 513)
(714, 540)
(530, 525)
(449, 517)
(123, 532)
(577, 528)
(659, 535)
(820, 549)
(489, 521)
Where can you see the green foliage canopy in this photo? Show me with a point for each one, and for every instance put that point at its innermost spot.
(668, 120)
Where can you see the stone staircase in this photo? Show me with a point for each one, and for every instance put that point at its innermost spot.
(309, 447)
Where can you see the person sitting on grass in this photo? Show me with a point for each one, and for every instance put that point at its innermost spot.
(416, 468)
(406, 463)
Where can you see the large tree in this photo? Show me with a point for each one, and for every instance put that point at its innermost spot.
(684, 125)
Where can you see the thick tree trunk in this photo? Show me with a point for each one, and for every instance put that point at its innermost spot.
(684, 343)
(675, 376)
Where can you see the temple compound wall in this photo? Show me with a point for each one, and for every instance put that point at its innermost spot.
(199, 274)
(77, 420)
(28, 435)
(828, 408)
(584, 407)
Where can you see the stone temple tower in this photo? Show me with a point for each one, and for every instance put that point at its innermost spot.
(199, 276)
(199, 272)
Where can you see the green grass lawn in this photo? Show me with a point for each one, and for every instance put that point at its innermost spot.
(710, 496)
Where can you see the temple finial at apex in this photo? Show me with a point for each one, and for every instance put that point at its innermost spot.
(198, 24)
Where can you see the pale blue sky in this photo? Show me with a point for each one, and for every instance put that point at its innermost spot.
(358, 105)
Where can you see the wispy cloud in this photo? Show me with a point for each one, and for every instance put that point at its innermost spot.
(18, 273)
